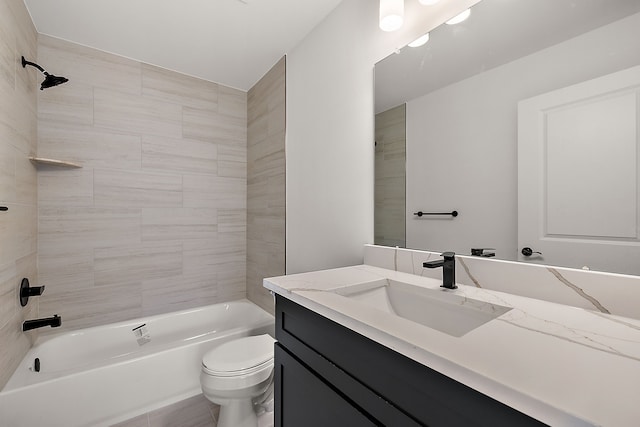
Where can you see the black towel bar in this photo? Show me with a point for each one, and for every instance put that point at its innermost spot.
(452, 213)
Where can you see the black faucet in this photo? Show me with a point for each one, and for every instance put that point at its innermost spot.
(448, 264)
(54, 322)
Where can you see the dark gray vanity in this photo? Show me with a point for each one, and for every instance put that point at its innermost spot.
(364, 345)
(328, 375)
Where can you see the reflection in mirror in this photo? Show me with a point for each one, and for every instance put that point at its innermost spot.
(464, 93)
(390, 179)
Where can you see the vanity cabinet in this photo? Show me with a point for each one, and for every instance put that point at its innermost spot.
(329, 375)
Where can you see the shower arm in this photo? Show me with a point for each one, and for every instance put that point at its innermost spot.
(33, 64)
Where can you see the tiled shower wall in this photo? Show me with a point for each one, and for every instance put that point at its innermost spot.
(18, 225)
(390, 177)
(155, 220)
(266, 183)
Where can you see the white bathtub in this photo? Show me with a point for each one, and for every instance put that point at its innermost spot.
(106, 374)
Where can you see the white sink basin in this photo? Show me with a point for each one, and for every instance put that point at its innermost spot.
(435, 308)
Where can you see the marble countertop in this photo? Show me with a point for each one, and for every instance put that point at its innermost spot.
(562, 365)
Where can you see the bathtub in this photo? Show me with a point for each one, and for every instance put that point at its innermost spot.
(106, 374)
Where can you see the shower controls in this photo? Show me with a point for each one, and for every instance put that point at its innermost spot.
(27, 291)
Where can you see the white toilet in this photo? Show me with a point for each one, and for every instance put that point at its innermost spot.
(235, 373)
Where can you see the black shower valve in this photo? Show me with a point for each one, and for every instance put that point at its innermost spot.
(27, 291)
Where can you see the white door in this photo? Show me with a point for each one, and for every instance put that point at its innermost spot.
(578, 174)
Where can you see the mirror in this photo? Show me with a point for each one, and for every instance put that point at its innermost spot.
(455, 103)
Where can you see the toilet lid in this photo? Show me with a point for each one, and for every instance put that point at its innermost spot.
(239, 355)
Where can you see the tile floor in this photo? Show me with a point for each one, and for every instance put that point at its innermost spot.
(196, 411)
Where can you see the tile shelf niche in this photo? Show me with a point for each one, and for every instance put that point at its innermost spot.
(41, 161)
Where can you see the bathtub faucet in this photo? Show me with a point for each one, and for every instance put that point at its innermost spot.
(54, 322)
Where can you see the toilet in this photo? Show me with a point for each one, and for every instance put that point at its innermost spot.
(234, 374)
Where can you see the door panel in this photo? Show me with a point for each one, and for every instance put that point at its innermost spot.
(578, 168)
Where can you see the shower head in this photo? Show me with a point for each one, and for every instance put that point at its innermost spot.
(49, 79)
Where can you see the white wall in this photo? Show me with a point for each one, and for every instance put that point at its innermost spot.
(462, 139)
(330, 129)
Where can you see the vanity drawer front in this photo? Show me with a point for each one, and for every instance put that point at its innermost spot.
(303, 398)
(421, 393)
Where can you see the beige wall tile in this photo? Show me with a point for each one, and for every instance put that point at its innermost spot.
(227, 252)
(177, 88)
(180, 155)
(18, 226)
(73, 228)
(233, 153)
(18, 232)
(71, 103)
(65, 187)
(232, 102)
(143, 215)
(15, 346)
(26, 181)
(18, 119)
(219, 128)
(27, 79)
(257, 125)
(92, 307)
(136, 189)
(63, 268)
(136, 115)
(8, 154)
(214, 192)
(232, 161)
(161, 295)
(232, 284)
(8, 292)
(7, 54)
(390, 159)
(232, 220)
(88, 146)
(175, 224)
(276, 120)
(133, 264)
(266, 183)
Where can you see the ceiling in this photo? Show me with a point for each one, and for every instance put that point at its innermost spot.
(231, 42)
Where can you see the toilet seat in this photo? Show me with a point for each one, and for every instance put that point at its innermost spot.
(243, 356)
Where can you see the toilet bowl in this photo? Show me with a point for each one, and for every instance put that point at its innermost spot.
(235, 373)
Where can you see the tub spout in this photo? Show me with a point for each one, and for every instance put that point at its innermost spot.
(54, 322)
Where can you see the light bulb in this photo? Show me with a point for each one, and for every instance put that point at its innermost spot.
(391, 14)
(428, 2)
(423, 39)
(459, 18)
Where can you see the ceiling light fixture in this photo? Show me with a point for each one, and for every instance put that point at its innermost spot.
(459, 18)
(391, 14)
(428, 2)
(420, 41)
